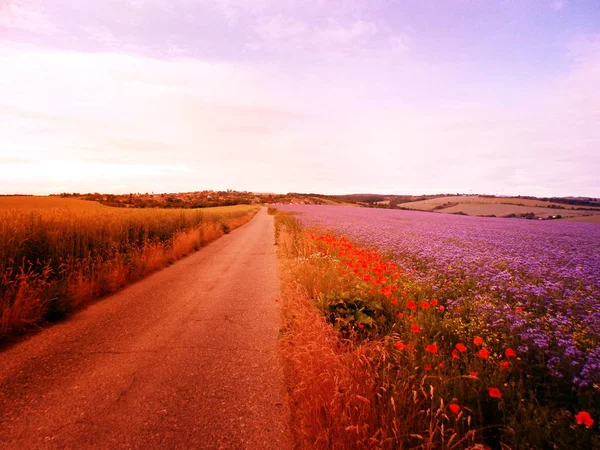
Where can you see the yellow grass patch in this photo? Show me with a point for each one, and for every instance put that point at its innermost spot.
(475, 205)
(588, 219)
(46, 202)
(57, 254)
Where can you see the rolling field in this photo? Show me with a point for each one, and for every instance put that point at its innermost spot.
(57, 254)
(497, 206)
(586, 219)
(34, 203)
(446, 329)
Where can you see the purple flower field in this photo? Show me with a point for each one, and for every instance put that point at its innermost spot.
(538, 282)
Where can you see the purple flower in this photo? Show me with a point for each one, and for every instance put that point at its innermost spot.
(550, 270)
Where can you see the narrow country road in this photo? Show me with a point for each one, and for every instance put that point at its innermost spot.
(184, 359)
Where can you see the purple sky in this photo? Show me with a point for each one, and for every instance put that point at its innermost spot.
(332, 96)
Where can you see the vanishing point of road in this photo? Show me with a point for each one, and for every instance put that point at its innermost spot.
(183, 359)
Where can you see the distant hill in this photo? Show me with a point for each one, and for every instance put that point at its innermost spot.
(202, 199)
(492, 206)
(526, 207)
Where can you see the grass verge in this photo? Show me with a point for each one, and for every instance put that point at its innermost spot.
(53, 260)
(373, 361)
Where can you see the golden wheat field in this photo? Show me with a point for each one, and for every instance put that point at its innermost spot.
(56, 254)
(30, 202)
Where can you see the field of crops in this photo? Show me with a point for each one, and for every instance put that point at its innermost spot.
(500, 317)
(56, 254)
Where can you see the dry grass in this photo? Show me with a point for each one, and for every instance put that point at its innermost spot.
(43, 202)
(369, 369)
(428, 205)
(588, 219)
(342, 393)
(500, 210)
(336, 202)
(475, 205)
(347, 392)
(55, 259)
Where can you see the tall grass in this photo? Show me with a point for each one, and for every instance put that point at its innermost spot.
(56, 258)
(336, 383)
(361, 377)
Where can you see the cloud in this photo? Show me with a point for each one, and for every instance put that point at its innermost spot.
(336, 33)
(163, 28)
(345, 9)
(124, 111)
(26, 15)
(275, 29)
(284, 33)
(258, 127)
(557, 5)
(13, 160)
(290, 96)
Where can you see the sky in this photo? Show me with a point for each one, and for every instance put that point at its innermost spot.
(330, 96)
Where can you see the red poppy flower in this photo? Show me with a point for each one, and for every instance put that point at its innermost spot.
(494, 392)
(483, 353)
(510, 353)
(478, 341)
(414, 328)
(427, 367)
(519, 310)
(403, 293)
(442, 308)
(411, 305)
(455, 354)
(367, 279)
(504, 365)
(434, 302)
(360, 325)
(424, 305)
(387, 291)
(584, 418)
(394, 301)
(454, 408)
(400, 315)
(473, 374)
(401, 345)
(460, 347)
(431, 348)
(440, 365)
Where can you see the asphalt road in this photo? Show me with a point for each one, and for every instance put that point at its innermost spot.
(185, 358)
